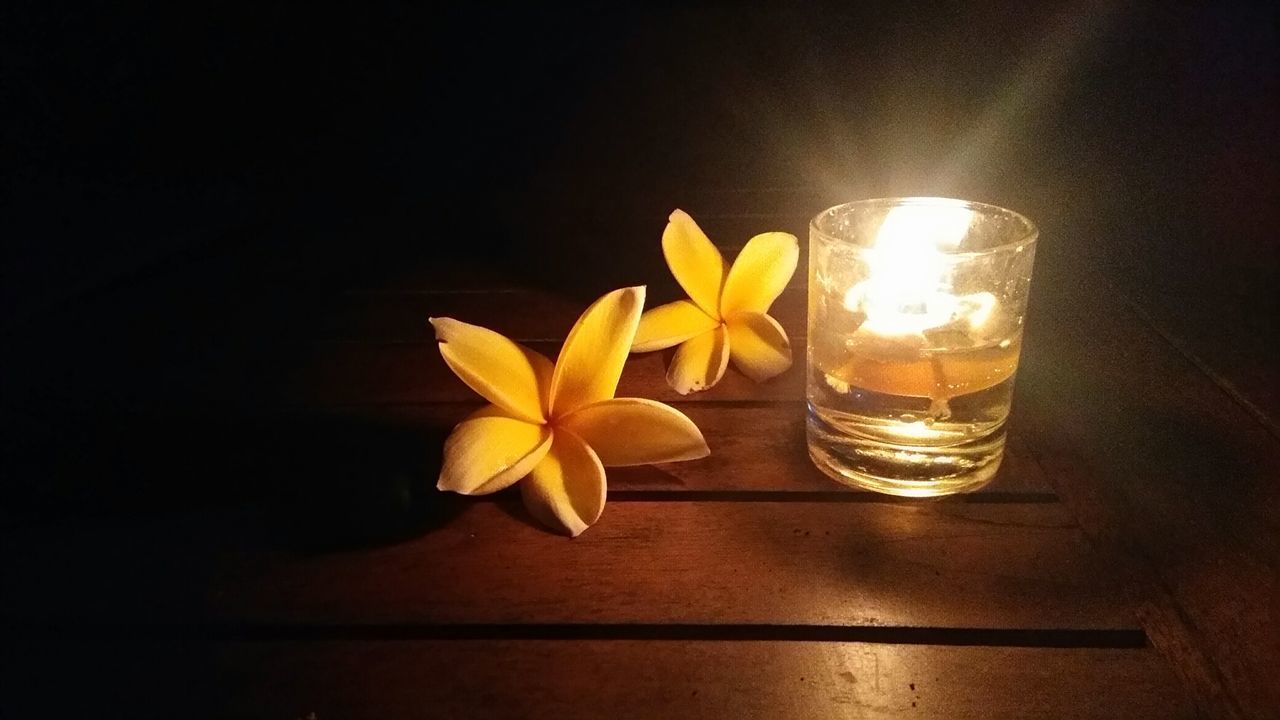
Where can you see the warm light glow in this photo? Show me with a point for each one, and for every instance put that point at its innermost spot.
(917, 430)
(904, 293)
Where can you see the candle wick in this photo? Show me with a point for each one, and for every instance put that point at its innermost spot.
(939, 408)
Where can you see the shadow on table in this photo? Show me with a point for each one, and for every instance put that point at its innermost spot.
(317, 483)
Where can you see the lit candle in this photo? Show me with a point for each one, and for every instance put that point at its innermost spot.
(915, 327)
(911, 325)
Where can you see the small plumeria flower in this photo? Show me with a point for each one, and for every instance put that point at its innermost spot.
(727, 313)
(557, 426)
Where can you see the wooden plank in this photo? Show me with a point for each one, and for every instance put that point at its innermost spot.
(663, 679)
(390, 371)
(169, 675)
(618, 247)
(942, 565)
(413, 372)
(957, 565)
(754, 447)
(522, 315)
(400, 373)
(128, 461)
(1175, 479)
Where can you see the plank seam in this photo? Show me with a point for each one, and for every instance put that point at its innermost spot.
(1224, 385)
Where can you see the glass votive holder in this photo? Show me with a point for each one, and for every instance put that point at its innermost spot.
(916, 310)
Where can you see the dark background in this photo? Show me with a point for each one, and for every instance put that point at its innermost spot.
(187, 188)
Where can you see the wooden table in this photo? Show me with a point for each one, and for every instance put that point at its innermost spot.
(218, 472)
(1086, 581)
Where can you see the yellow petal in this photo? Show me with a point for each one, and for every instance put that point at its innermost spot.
(760, 274)
(634, 431)
(700, 362)
(488, 452)
(567, 489)
(505, 373)
(695, 262)
(758, 344)
(591, 360)
(670, 324)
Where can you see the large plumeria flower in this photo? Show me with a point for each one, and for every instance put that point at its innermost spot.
(726, 314)
(560, 424)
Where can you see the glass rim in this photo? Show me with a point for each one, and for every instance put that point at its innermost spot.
(1029, 236)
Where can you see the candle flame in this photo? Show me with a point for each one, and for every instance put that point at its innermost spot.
(904, 293)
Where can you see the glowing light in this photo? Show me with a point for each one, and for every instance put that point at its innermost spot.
(905, 290)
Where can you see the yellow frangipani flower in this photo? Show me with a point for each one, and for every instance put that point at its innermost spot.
(727, 313)
(559, 424)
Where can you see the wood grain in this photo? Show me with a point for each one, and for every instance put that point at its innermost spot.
(638, 679)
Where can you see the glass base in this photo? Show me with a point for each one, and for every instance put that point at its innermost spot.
(904, 470)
